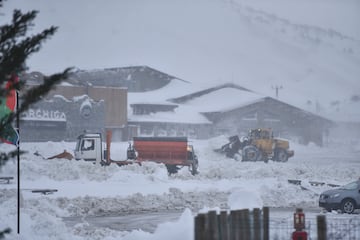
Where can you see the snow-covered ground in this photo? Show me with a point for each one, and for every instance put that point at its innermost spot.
(311, 48)
(85, 189)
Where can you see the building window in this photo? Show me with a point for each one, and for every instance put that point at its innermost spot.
(88, 144)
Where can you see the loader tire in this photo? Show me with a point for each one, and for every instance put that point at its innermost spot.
(280, 155)
(251, 153)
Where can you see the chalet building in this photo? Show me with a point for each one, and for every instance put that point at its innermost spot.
(133, 101)
(167, 123)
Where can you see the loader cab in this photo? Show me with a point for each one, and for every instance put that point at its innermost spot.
(131, 153)
(260, 133)
(89, 147)
(262, 138)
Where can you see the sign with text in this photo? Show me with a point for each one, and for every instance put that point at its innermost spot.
(43, 115)
(43, 118)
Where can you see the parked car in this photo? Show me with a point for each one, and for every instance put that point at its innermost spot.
(345, 198)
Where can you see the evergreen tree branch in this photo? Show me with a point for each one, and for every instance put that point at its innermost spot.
(35, 94)
(3, 232)
(15, 49)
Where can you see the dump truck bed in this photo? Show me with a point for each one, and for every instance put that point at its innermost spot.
(167, 150)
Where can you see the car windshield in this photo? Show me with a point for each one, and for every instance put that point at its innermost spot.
(350, 186)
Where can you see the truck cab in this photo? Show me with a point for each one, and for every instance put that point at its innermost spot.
(89, 147)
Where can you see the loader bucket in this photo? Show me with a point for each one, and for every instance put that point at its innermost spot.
(64, 154)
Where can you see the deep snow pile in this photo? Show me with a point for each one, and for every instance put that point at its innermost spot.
(86, 189)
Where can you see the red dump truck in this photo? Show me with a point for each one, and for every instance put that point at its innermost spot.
(173, 152)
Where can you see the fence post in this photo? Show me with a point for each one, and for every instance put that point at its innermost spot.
(321, 227)
(256, 224)
(245, 224)
(235, 225)
(224, 225)
(200, 233)
(213, 226)
(241, 224)
(266, 223)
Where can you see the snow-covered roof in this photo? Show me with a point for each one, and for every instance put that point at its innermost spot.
(223, 99)
(135, 78)
(219, 99)
(160, 96)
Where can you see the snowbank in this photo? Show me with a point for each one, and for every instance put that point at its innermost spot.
(86, 189)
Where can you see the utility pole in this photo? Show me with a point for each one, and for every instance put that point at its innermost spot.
(277, 88)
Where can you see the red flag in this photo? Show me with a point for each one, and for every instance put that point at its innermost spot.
(8, 105)
(11, 98)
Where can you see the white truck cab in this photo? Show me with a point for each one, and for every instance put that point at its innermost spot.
(89, 147)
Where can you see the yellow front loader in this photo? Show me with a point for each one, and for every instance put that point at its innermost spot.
(259, 145)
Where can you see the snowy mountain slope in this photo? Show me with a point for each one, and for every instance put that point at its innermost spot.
(341, 16)
(310, 48)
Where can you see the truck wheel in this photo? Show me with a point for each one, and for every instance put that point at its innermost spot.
(250, 153)
(281, 155)
(348, 206)
(172, 169)
(193, 168)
